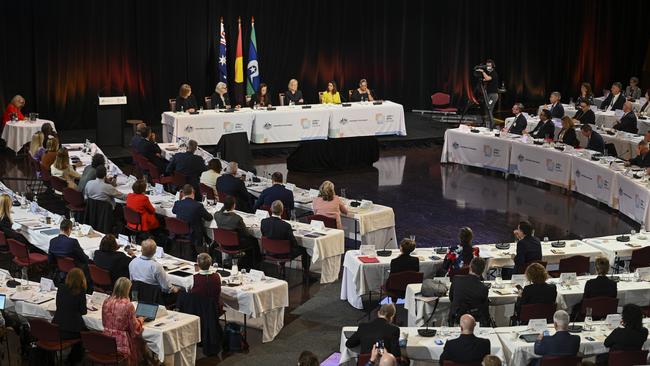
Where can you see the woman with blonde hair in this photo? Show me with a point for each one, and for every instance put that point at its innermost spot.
(6, 223)
(63, 169)
(293, 95)
(120, 322)
(36, 148)
(567, 134)
(186, 101)
(50, 153)
(14, 108)
(329, 204)
(70, 309)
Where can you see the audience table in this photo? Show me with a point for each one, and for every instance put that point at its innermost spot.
(617, 250)
(499, 258)
(361, 279)
(19, 133)
(422, 348)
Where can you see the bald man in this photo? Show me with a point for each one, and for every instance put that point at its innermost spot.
(627, 122)
(467, 348)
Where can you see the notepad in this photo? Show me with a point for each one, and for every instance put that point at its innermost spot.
(368, 259)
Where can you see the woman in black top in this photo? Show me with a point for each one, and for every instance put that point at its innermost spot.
(261, 98)
(567, 134)
(630, 337)
(405, 262)
(220, 99)
(70, 308)
(185, 101)
(538, 292)
(293, 95)
(585, 94)
(458, 257)
(108, 258)
(362, 93)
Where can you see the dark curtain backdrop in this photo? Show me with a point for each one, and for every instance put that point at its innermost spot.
(61, 54)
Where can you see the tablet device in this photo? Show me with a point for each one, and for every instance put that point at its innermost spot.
(180, 274)
(147, 311)
(529, 338)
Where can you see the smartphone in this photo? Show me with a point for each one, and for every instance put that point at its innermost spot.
(380, 346)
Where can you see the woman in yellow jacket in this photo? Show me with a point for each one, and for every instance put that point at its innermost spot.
(331, 95)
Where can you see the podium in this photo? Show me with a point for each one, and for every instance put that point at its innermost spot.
(110, 121)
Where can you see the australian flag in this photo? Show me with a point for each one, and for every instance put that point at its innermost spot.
(221, 62)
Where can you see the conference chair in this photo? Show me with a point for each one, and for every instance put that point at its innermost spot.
(560, 361)
(99, 215)
(58, 185)
(577, 264)
(441, 103)
(281, 96)
(74, 202)
(49, 339)
(180, 232)
(208, 102)
(22, 257)
(600, 307)
(132, 217)
(536, 311)
(101, 278)
(328, 221)
(458, 271)
(627, 358)
(640, 258)
(146, 293)
(207, 191)
(278, 251)
(101, 349)
(320, 97)
(227, 242)
(395, 286)
(172, 105)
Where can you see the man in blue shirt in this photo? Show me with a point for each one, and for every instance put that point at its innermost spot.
(145, 269)
(276, 192)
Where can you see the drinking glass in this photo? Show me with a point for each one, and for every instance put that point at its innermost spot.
(134, 295)
(588, 318)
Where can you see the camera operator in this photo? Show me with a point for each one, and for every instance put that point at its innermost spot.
(491, 82)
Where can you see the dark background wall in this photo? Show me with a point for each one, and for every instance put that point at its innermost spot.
(61, 54)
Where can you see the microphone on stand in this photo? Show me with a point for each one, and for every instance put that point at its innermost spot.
(426, 332)
(573, 328)
(384, 252)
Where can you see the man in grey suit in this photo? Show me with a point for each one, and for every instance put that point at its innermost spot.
(228, 219)
(99, 189)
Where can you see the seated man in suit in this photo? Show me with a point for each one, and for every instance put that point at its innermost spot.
(102, 190)
(595, 141)
(601, 286)
(147, 147)
(556, 108)
(584, 115)
(228, 219)
(380, 329)
(467, 348)
(275, 192)
(545, 128)
(194, 214)
(562, 343)
(65, 246)
(468, 294)
(405, 262)
(147, 270)
(275, 228)
(230, 185)
(627, 122)
(138, 135)
(188, 164)
(615, 99)
(642, 160)
(519, 124)
(529, 248)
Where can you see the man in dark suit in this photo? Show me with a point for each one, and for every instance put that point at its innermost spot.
(188, 164)
(628, 120)
(562, 343)
(519, 124)
(528, 247)
(642, 160)
(595, 141)
(405, 262)
(228, 219)
(275, 228)
(556, 108)
(615, 99)
(467, 348)
(379, 329)
(65, 246)
(601, 286)
(275, 192)
(468, 295)
(137, 136)
(194, 214)
(584, 115)
(230, 185)
(146, 146)
(545, 128)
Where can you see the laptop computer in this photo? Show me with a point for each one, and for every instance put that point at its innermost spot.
(147, 311)
(3, 300)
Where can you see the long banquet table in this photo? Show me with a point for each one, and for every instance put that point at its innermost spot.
(287, 123)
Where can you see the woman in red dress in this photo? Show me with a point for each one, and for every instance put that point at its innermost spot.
(119, 321)
(15, 107)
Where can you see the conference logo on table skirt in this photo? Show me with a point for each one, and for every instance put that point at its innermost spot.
(189, 129)
(551, 165)
(379, 118)
(602, 183)
(228, 126)
(268, 126)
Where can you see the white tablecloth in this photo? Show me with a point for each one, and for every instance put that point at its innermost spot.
(421, 348)
(207, 127)
(482, 150)
(615, 249)
(552, 166)
(290, 123)
(367, 119)
(19, 133)
(497, 258)
(362, 278)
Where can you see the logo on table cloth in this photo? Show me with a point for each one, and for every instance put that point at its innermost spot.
(306, 123)
(189, 129)
(343, 121)
(379, 117)
(638, 202)
(268, 126)
(227, 126)
(550, 165)
(602, 182)
(487, 151)
(578, 173)
(455, 145)
(520, 158)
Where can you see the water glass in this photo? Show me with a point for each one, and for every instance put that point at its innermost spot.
(588, 320)
(134, 295)
(546, 240)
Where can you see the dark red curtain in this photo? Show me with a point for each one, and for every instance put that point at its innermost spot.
(61, 54)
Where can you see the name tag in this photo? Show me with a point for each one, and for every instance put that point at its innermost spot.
(46, 284)
(317, 224)
(85, 229)
(159, 188)
(98, 298)
(123, 239)
(568, 278)
(256, 275)
(261, 214)
(518, 279)
(537, 325)
(643, 273)
(613, 321)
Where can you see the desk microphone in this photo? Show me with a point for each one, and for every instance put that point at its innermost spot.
(426, 332)
(573, 328)
(384, 252)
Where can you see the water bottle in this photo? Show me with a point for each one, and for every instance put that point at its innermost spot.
(24, 278)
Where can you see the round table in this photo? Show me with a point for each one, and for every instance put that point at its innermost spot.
(19, 133)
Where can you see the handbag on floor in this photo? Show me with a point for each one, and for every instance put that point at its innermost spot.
(234, 338)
